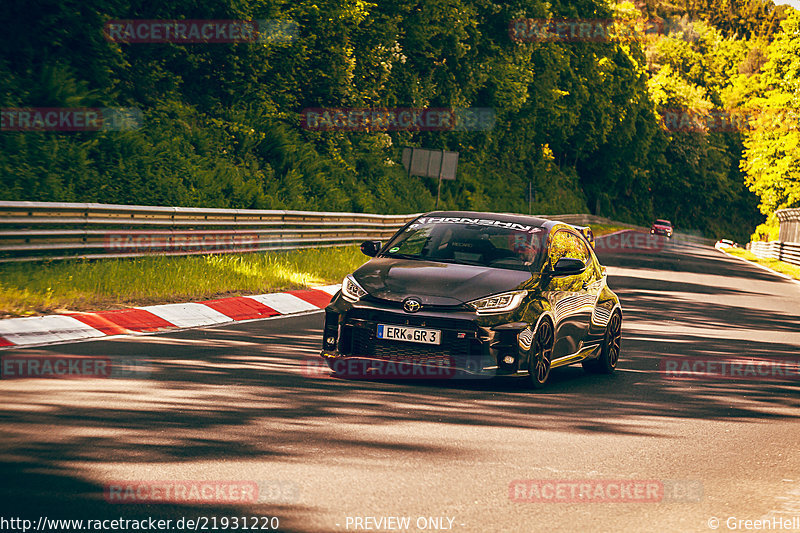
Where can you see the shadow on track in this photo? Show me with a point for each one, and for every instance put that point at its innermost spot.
(242, 391)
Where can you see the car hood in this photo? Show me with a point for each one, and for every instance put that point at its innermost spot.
(434, 283)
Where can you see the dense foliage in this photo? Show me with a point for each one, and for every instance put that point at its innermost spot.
(577, 123)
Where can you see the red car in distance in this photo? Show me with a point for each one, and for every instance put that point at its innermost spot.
(661, 227)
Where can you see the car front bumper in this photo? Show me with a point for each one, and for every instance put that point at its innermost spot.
(471, 346)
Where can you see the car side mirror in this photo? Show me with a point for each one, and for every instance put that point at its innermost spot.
(370, 248)
(568, 266)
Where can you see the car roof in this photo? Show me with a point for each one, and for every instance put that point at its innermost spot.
(502, 217)
(548, 225)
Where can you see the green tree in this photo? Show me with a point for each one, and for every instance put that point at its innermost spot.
(772, 148)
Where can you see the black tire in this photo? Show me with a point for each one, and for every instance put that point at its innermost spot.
(609, 352)
(541, 355)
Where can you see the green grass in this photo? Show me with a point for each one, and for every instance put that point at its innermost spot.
(778, 266)
(605, 229)
(94, 285)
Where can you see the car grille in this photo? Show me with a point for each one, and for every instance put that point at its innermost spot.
(407, 319)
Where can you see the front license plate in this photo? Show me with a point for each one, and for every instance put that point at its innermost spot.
(402, 333)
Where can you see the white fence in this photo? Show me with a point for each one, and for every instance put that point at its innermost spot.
(782, 251)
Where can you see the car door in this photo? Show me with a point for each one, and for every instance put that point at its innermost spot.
(571, 298)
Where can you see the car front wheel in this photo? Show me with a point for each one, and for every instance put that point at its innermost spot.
(609, 352)
(541, 356)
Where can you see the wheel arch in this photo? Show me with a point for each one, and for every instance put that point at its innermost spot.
(544, 315)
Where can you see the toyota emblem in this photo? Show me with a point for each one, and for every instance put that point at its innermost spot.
(411, 305)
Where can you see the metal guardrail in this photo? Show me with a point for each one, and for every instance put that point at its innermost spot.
(584, 219)
(680, 236)
(31, 231)
(788, 252)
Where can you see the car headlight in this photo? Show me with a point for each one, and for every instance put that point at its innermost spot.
(498, 303)
(351, 290)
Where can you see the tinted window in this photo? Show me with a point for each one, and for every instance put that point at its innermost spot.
(483, 242)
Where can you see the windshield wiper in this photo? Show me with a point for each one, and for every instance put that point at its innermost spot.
(434, 259)
(403, 256)
(455, 261)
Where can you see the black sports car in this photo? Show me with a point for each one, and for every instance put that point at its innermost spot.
(462, 294)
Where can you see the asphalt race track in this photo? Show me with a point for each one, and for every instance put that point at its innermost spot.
(246, 403)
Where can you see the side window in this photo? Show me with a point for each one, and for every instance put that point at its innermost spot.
(566, 244)
(595, 267)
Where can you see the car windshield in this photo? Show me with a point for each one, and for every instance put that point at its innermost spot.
(468, 241)
(663, 222)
